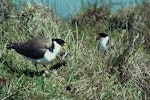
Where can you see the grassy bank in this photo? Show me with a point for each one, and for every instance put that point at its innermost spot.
(123, 73)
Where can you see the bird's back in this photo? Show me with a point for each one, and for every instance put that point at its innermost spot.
(33, 48)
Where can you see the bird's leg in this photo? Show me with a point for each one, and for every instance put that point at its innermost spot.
(47, 69)
(36, 67)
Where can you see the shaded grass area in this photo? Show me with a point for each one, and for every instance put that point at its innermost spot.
(122, 73)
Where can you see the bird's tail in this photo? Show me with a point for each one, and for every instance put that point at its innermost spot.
(10, 46)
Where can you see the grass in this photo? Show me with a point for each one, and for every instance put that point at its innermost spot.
(123, 73)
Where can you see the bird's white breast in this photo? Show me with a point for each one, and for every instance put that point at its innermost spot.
(104, 40)
(102, 43)
(48, 56)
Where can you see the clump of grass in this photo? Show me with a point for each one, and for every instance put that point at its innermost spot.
(91, 15)
(31, 18)
(5, 9)
(130, 18)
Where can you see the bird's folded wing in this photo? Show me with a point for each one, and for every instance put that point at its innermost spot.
(34, 48)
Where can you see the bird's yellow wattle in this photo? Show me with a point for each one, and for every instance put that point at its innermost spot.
(64, 46)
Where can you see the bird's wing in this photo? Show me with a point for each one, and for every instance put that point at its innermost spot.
(34, 48)
(43, 43)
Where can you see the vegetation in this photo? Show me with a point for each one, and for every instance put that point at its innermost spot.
(122, 73)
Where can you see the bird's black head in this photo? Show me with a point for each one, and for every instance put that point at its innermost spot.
(102, 34)
(59, 41)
